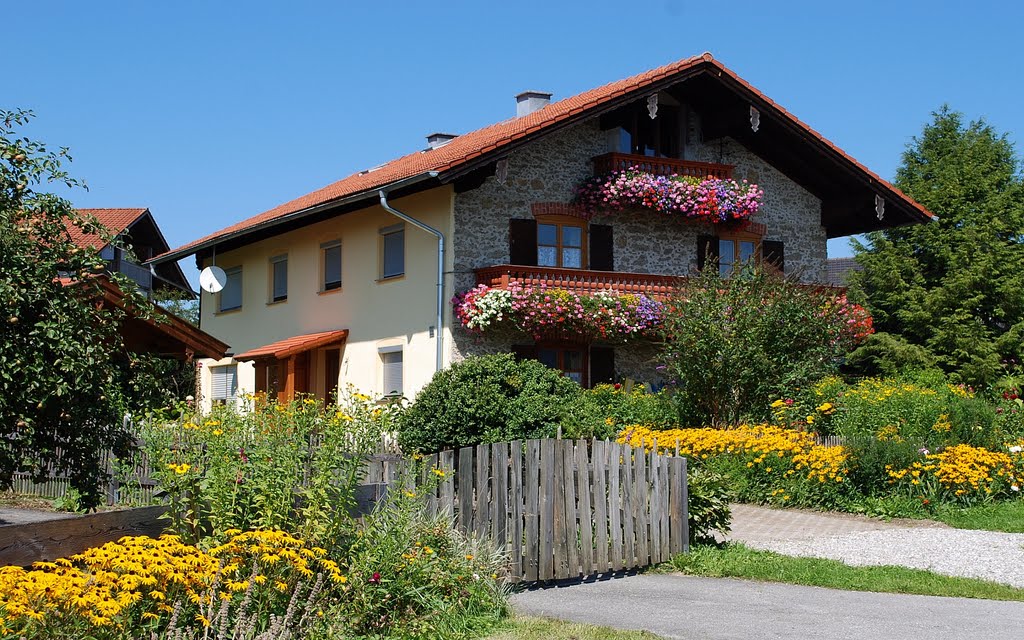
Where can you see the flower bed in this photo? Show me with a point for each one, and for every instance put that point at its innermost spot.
(962, 473)
(140, 583)
(711, 200)
(550, 312)
(766, 463)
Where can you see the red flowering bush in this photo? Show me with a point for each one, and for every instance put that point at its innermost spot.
(711, 200)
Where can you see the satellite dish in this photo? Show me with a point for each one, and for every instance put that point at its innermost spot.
(212, 279)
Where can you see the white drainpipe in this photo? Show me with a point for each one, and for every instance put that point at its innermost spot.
(440, 266)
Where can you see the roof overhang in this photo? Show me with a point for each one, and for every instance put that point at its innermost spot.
(284, 349)
(163, 333)
(846, 188)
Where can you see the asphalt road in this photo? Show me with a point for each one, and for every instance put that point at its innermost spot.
(718, 608)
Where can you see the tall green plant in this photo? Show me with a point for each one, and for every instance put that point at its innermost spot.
(954, 286)
(735, 344)
(65, 377)
(291, 466)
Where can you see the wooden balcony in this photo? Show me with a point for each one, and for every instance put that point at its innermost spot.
(578, 280)
(660, 166)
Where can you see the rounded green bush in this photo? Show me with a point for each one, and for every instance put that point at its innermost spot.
(486, 399)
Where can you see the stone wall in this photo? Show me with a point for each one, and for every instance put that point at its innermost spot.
(791, 214)
(550, 169)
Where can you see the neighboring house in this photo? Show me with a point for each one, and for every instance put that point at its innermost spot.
(158, 331)
(839, 269)
(135, 229)
(341, 285)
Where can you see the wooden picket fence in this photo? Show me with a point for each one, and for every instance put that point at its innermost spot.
(562, 508)
(559, 508)
(130, 483)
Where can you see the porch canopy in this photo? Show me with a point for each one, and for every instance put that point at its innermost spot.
(286, 367)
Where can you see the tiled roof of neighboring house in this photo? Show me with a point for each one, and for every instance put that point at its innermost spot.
(839, 270)
(471, 146)
(296, 344)
(115, 220)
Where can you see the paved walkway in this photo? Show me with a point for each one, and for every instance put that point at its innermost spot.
(718, 609)
(752, 524)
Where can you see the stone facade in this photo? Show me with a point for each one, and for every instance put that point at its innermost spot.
(790, 212)
(550, 169)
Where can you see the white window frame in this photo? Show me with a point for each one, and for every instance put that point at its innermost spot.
(219, 393)
(324, 248)
(274, 261)
(385, 234)
(233, 271)
(387, 354)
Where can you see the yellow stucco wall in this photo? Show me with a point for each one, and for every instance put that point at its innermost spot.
(377, 313)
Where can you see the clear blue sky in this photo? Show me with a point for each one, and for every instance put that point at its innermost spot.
(209, 112)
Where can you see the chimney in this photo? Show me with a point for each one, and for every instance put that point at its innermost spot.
(529, 101)
(437, 140)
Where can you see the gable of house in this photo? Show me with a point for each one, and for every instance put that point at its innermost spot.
(136, 228)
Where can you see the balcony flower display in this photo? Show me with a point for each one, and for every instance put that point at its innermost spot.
(713, 200)
(545, 312)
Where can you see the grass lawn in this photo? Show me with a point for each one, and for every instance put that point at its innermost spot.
(739, 561)
(527, 628)
(998, 516)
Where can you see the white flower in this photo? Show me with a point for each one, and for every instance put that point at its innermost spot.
(1016, 448)
(1015, 488)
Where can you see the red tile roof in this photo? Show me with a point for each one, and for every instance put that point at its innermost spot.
(115, 220)
(296, 344)
(465, 148)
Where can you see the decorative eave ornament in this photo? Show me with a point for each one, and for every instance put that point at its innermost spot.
(879, 206)
(755, 118)
(501, 171)
(652, 105)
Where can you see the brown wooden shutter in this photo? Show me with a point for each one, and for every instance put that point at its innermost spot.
(602, 256)
(602, 365)
(707, 249)
(522, 242)
(774, 254)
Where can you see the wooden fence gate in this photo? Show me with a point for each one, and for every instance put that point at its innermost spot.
(566, 508)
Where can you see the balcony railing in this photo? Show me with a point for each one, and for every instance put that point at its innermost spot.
(141, 275)
(660, 166)
(578, 280)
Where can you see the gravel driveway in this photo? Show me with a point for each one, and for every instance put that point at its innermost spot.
(857, 540)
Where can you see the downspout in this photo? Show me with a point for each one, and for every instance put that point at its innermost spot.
(440, 268)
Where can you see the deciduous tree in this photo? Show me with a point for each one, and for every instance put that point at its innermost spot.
(65, 377)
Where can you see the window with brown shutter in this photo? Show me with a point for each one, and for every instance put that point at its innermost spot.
(522, 242)
(602, 256)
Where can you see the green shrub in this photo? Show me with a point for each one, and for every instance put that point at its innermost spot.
(710, 493)
(411, 576)
(1010, 414)
(870, 458)
(733, 345)
(603, 411)
(885, 354)
(923, 410)
(289, 466)
(486, 399)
